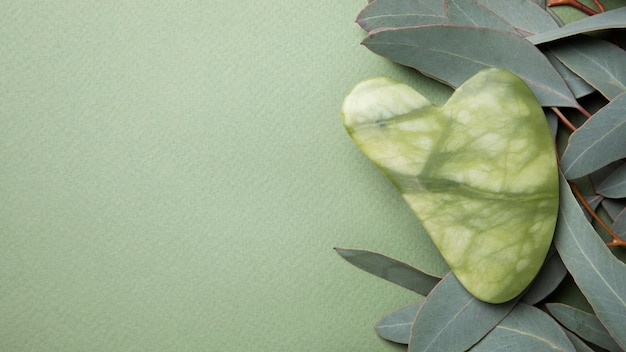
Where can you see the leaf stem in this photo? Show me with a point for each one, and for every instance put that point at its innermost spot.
(599, 5)
(563, 119)
(576, 4)
(617, 241)
(584, 111)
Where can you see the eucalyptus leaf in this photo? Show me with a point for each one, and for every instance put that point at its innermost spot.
(390, 269)
(613, 207)
(401, 13)
(614, 186)
(526, 328)
(469, 13)
(447, 319)
(526, 16)
(598, 176)
(577, 85)
(598, 142)
(541, 3)
(583, 324)
(607, 20)
(548, 279)
(579, 344)
(553, 122)
(598, 62)
(600, 276)
(442, 52)
(396, 326)
(619, 226)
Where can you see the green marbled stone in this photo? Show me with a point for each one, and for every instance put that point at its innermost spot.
(479, 172)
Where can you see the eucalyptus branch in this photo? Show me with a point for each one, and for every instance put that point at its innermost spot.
(595, 145)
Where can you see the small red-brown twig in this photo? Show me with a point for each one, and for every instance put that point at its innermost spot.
(576, 4)
(563, 119)
(599, 5)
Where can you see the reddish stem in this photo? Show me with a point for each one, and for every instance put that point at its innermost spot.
(563, 119)
(576, 4)
(584, 112)
(599, 5)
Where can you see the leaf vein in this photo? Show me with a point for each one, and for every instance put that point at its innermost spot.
(436, 337)
(595, 142)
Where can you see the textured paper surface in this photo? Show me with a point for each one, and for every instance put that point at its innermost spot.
(174, 176)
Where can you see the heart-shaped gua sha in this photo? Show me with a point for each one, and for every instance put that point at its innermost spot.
(479, 172)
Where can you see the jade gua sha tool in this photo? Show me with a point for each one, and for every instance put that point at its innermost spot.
(480, 172)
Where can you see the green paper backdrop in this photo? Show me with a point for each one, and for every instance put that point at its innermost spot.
(174, 176)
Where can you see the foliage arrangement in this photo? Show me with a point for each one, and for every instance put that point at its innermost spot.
(577, 72)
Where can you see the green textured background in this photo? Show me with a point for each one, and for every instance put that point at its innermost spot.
(174, 176)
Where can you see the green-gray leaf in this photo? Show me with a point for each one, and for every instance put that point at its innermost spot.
(548, 279)
(390, 269)
(541, 3)
(614, 186)
(525, 15)
(607, 20)
(583, 324)
(449, 310)
(614, 207)
(598, 62)
(598, 142)
(553, 122)
(469, 13)
(600, 276)
(401, 13)
(577, 85)
(526, 328)
(579, 344)
(619, 226)
(442, 52)
(396, 326)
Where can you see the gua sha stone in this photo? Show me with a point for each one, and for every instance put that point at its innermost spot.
(479, 172)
